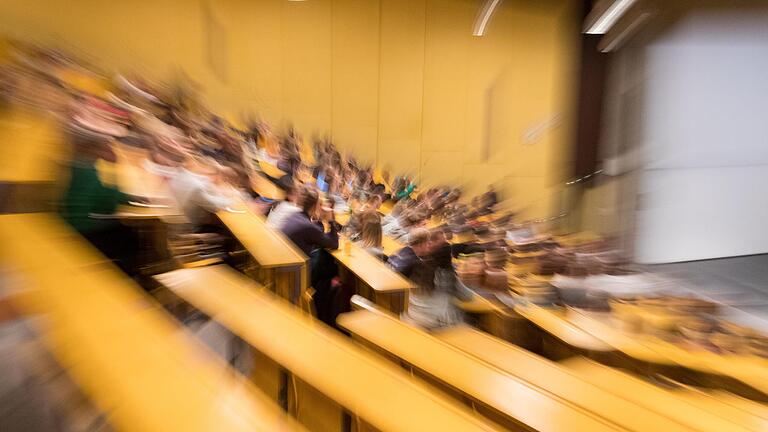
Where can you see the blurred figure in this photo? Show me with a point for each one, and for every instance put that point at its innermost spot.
(284, 209)
(88, 203)
(370, 238)
(305, 230)
(409, 257)
(430, 305)
(197, 196)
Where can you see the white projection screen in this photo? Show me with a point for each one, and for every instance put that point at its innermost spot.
(702, 192)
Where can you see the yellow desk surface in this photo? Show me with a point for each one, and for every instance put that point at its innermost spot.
(671, 402)
(554, 322)
(750, 370)
(265, 188)
(727, 405)
(478, 305)
(342, 218)
(371, 270)
(136, 364)
(271, 170)
(490, 385)
(390, 245)
(267, 246)
(367, 386)
(565, 384)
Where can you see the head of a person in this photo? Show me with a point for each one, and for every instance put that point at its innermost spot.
(92, 145)
(418, 240)
(371, 230)
(437, 239)
(374, 201)
(307, 199)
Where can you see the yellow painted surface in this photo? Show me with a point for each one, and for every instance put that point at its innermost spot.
(379, 393)
(267, 246)
(513, 397)
(371, 270)
(31, 147)
(558, 326)
(390, 245)
(671, 402)
(751, 370)
(400, 83)
(131, 358)
(578, 390)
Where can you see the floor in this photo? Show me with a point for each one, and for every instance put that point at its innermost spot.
(739, 282)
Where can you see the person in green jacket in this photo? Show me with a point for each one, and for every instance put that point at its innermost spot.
(87, 197)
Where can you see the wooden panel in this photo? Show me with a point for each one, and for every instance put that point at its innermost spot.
(307, 64)
(371, 270)
(128, 356)
(268, 247)
(447, 39)
(355, 89)
(378, 392)
(662, 400)
(313, 409)
(516, 399)
(401, 77)
(559, 381)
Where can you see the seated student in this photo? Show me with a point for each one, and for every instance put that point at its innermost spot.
(305, 229)
(431, 305)
(464, 241)
(407, 258)
(86, 198)
(284, 209)
(407, 189)
(372, 203)
(197, 195)
(400, 226)
(307, 233)
(440, 249)
(370, 239)
(490, 198)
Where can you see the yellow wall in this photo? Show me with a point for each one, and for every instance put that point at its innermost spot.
(398, 82)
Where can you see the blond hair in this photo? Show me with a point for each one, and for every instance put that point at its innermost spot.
(371, 230)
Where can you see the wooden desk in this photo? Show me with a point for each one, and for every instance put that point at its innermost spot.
(342, 218)
(265, 188)
(282, 266)
(125, 353)
(554, 322)
(670, 402)
(378, 393)
(271, 170)
(508, 399)
(390, 245)
(377, 282)
(752, 371)
(579, 391)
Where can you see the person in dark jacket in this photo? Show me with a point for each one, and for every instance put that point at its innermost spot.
(305, 228)
(307, 233)
(407, 259)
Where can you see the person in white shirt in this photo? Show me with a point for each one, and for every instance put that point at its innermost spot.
(195, 191)
(284, 209)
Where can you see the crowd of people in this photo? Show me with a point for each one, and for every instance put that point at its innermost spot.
(207, 164)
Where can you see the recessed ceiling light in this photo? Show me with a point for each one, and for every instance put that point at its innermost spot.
(481, 22)
(609, 17)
